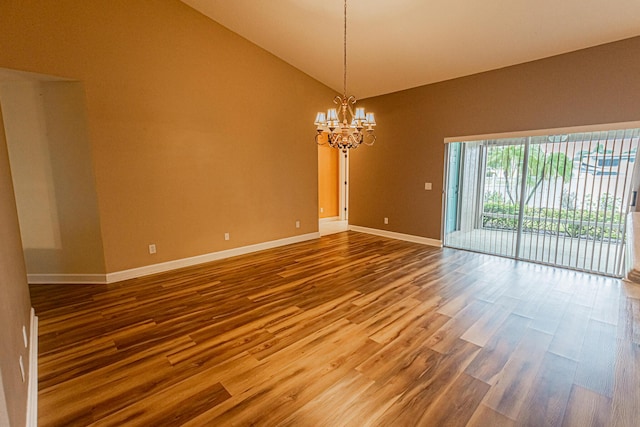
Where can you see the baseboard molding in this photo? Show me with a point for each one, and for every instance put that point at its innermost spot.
(32, 393)
(332, 227)
(397, 236)
(201, 259)
(118, 276)
(329, 219)
(68, 279)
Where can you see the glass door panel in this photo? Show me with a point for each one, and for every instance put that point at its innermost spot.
(553, 199)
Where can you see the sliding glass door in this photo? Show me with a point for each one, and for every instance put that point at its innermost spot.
(553, 199)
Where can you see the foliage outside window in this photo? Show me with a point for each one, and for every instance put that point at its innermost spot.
(595, 219)
(570, 221)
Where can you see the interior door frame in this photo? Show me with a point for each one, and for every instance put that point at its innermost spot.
(343, 184)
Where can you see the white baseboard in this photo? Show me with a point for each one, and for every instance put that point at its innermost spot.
(331, 227)
(32, 393)
(102, 279)
(68, 279)
(201, 259)
(329, 219)
(397, 236)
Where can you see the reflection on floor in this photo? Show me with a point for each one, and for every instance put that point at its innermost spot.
(574, 253)
(346, 330)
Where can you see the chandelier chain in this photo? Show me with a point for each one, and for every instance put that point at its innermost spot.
(345, 48)
(344, 128)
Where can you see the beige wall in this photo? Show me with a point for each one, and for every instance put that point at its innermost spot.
(15, 304)
(52, 169)
(194, 131)
(328, 177)
(4, 414)
(593, 86)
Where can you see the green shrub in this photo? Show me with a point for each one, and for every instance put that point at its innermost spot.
(601, 221)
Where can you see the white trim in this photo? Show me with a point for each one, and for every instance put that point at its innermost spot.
(32, 393)
(445, 188)
(200, 259)
(332, 227)
(632, 248)
(343, 186)
(543, 132)
(397, 236)
(329, 219)
(70, 279)
(103, 279)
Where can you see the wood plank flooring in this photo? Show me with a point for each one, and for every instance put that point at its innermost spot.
(347, 330)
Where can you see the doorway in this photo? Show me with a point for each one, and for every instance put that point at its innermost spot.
(53, 178)
(332, 190)
(557, 199)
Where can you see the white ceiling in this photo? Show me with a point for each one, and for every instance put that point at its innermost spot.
(399, 44)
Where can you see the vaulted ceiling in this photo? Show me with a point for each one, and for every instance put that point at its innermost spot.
(399, 44)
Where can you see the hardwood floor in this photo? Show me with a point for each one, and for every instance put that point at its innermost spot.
(347, 330)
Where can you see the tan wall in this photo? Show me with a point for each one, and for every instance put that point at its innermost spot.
(328, 178)
(4, 414)
(15, 304)
(52, 169)
(593, 86)
(194, 131)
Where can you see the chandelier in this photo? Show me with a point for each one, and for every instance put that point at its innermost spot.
(345, 129)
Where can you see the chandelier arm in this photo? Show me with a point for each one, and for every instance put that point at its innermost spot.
(351, 101)
(372, 137)
(354, 139)
(350, 112)
(334, 139)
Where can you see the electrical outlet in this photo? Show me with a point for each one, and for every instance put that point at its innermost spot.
(22, 369)
(297, 224)
(386, 220)
(24, 335)
(321, 210)
(152, 248)
(427, 186)
(226, 236)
